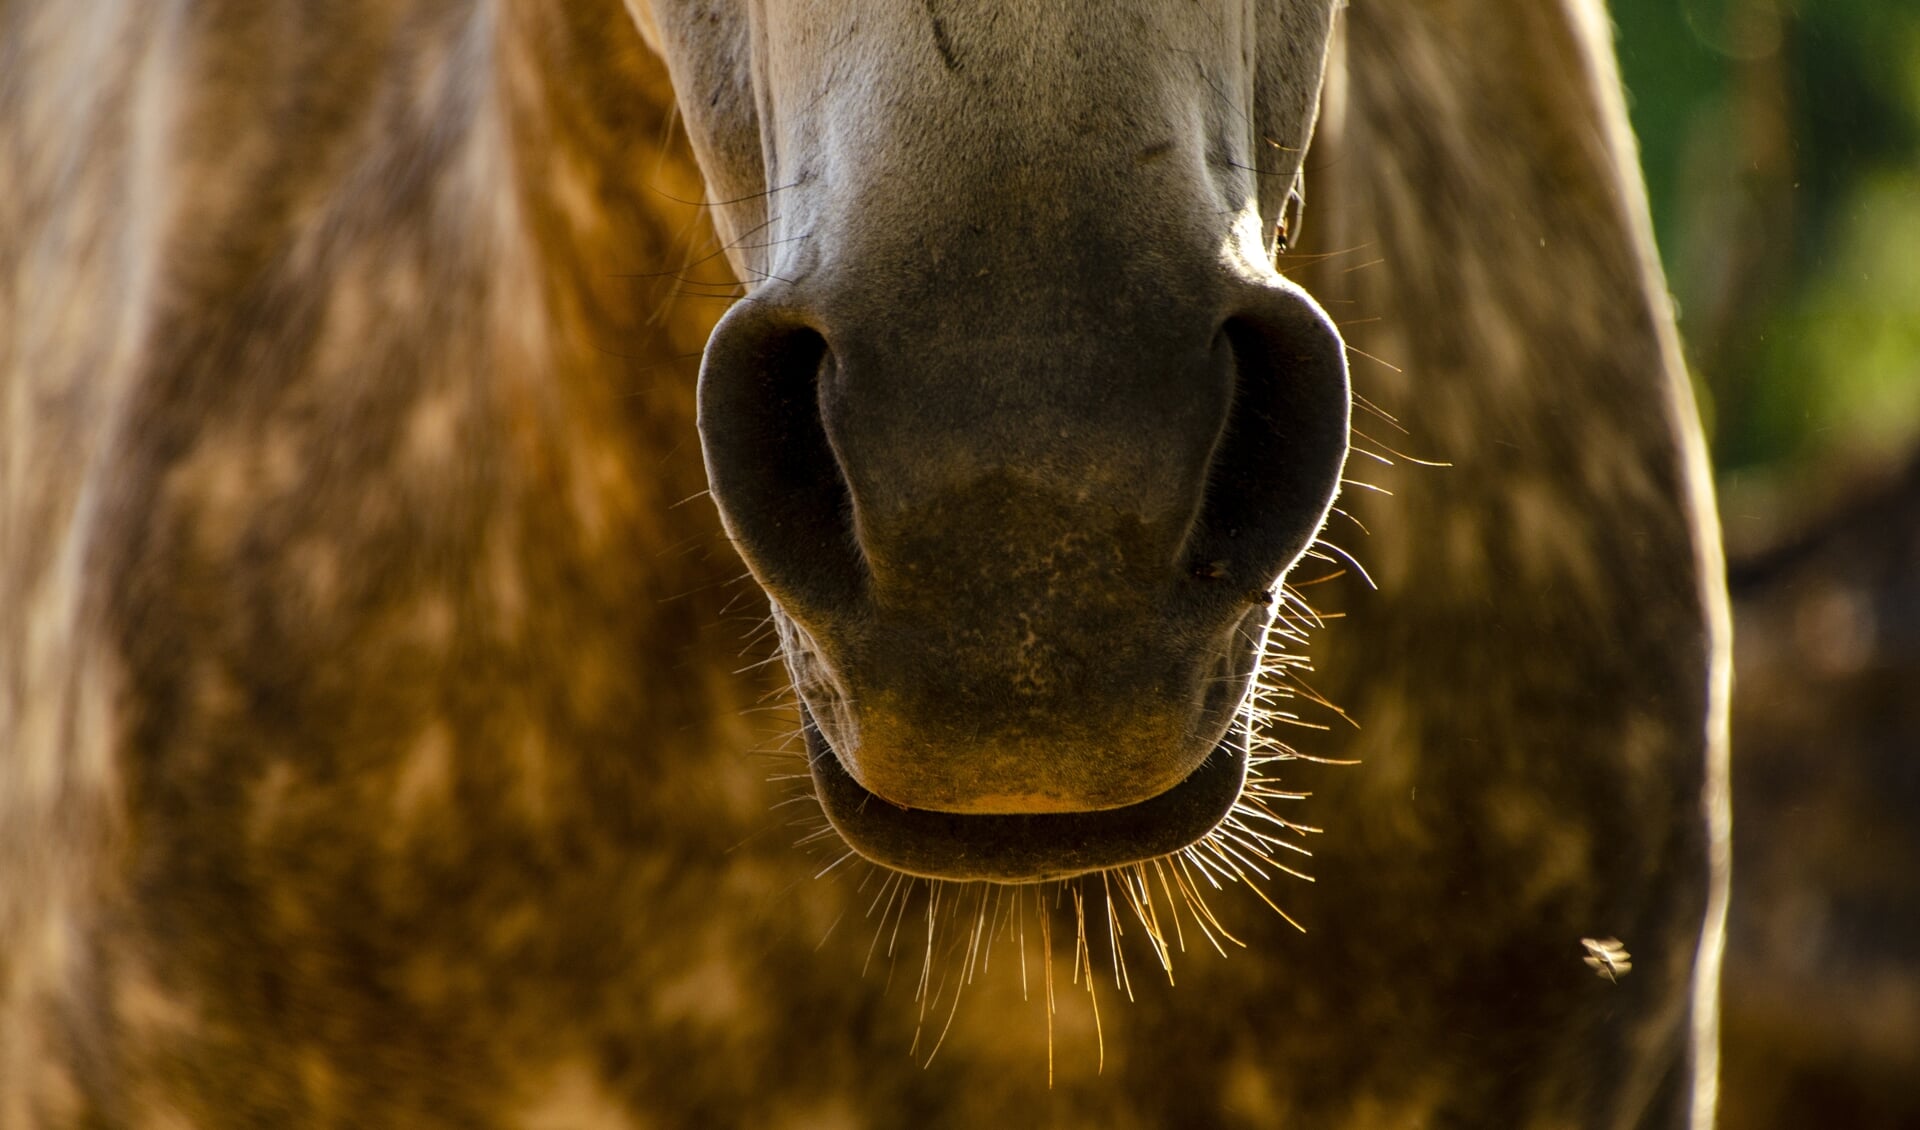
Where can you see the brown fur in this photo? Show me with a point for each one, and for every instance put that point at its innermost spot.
(372, 736)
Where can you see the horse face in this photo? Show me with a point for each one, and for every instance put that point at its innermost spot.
(1017, 424)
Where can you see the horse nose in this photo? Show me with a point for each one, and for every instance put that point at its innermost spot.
(1220, 452)
(1018, 545)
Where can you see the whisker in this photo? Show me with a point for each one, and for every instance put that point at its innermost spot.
(1351, 348)
(1253, 845)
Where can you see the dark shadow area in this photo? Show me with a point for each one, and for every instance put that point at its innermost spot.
(1823, 973)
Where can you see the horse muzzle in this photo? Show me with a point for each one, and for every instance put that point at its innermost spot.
(1022, 551)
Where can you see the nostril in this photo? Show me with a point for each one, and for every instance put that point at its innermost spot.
(773, 474)
(1276, 469)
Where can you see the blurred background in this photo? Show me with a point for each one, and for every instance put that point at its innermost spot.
(1781, 141)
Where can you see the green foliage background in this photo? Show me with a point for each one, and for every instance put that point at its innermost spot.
(1781, 142)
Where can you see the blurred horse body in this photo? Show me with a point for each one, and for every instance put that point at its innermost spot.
(371, 721)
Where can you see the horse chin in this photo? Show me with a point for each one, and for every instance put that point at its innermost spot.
(1025, 847)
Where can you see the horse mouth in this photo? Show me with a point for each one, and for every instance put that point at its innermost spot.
(1025, 847)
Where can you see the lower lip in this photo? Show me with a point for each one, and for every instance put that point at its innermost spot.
(1025, 847)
